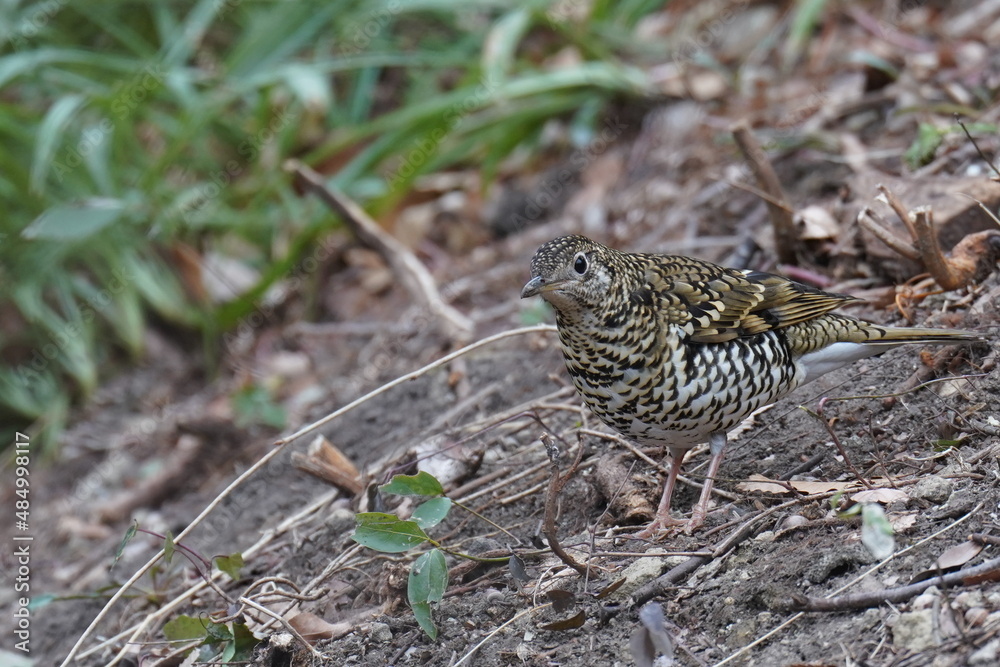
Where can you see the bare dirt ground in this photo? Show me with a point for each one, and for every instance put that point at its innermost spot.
(163, 440)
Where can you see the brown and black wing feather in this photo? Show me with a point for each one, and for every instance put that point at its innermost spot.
(714, 304)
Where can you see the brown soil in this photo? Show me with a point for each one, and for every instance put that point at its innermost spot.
(162, 440)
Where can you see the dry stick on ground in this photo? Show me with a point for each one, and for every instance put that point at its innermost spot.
(836, 441)
(252, 470)
(987, 571)
(408, 269)
(782, 221)
(659, 585)
(874, 223)
(982, 538)
(933, 257)
(556, 484)
(795, 617)
(950, 272)
(979, 150)
(136, 631)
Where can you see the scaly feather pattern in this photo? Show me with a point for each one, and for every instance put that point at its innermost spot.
(676, 351)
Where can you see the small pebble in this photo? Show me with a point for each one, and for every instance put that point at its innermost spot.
(381, 633)
(987, 654)
(933, 489)
(914, 630)
(794, 521)
(976, 616)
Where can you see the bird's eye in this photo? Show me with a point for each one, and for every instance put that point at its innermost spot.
(580, 263)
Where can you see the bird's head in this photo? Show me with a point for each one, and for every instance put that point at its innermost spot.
(574, 274)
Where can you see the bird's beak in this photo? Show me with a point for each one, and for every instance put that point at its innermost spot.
(533, 287)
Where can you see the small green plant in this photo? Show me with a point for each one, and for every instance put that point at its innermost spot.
(876, 532)
(930, 137)
(219, 642)
(388, 533)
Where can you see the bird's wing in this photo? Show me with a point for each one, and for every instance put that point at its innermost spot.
(713, 304)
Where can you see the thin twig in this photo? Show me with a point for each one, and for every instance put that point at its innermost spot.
(270, 455)
(472, 651)
(976, 145)
(664, 581)
(159, 554)
(785, 241)
(774, 631)
(409, 270)
(983, 538)
(898, 207)
(556, 483)
(872, 222)
(933, 257)
(894, 595)
(838, 444)
(288, 626)
(538, 328)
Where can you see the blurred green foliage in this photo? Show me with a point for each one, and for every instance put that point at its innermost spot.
(128, 129)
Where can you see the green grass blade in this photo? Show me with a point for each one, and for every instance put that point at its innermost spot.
(50, 137)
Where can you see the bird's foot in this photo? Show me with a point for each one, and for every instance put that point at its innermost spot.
(662, 526)
(665, 526)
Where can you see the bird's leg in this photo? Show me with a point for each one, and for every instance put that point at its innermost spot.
(717, 446)
(663, 520)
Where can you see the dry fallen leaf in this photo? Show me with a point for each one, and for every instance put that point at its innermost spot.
(954, 557)
(959, 554)
(327, 462)
(761, 484)
(902, 522)
(815, 223)
(885, 496)
(313, 628)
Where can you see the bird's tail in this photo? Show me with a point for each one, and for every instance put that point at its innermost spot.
(890, 336)
(831, 341)
(833, 328)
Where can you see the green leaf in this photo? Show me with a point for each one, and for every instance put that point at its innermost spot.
(231, 564)
(422, 612)
(421, 484)
(254, 405)
(186, 628)
(168, 547)
(244, 643)
(217, 633)
(502, 42)
(49, 137)
(921, 151)
(876, 531)
(806, 18)
(941, 445)
(428, 578)
(129, 534)
(387, 533)
(432, 512)
(72, 222)
(39, 601)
